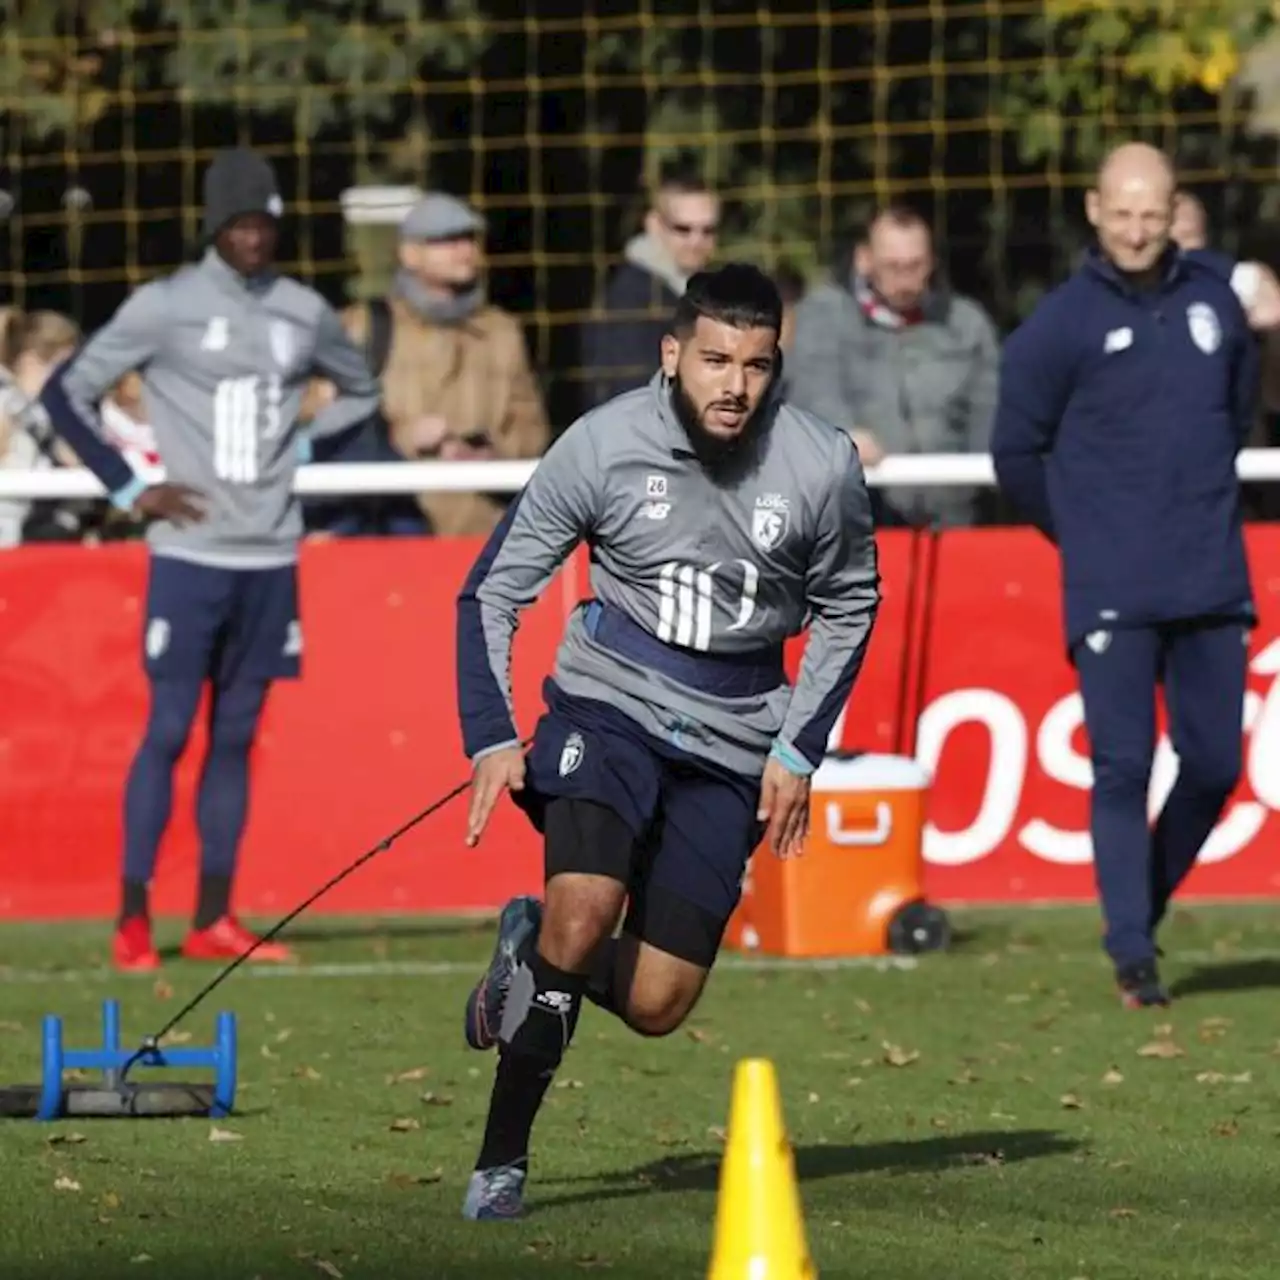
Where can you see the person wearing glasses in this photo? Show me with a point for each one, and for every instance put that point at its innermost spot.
(621, 344)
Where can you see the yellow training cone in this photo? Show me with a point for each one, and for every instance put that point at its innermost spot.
(759, 1228)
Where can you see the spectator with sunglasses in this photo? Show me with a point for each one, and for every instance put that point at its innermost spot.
(620, 345)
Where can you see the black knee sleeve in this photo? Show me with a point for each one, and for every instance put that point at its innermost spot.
(541, 1012)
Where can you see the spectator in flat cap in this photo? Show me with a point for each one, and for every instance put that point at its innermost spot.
(455, 372)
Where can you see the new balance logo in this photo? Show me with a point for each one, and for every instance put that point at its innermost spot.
(1118, 340)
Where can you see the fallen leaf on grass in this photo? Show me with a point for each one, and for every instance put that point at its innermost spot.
(142, 1257)
(175, 1037)
(401, 1077)
(896, 1056)
(1112, 1077)
(813, 1097)
(717, 1133)
(538, 1246)
(307, 1073)
(404, 1125)
(988, 1159)
(1160, 1049)
(109, 1200)
(698, 1036)
(1225, 1129)
(283, 1035)
(162, 990)
(323, 1264)
(1123, 1213)
(66, 1184)
(589, 1261)
(569, 1084)
(965, 1077)
(404, 1180)
(1071, 1102)
(67, 1139)
(10, 1026)
(268, 1052)
(437, 1099)
(224, 1135)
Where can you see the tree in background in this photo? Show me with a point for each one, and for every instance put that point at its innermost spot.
(1195, 77)
(990, 123)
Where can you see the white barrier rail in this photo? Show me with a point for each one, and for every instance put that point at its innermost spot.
(931, 470)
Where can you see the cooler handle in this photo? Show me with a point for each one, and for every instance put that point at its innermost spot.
(839, 834)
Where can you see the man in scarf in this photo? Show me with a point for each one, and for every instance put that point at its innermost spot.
(456, 379)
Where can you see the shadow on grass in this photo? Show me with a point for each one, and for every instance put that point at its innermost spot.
(1239, 975)
(309, 932)
(700, 1171)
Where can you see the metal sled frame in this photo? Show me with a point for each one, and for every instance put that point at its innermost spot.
(116, 1096)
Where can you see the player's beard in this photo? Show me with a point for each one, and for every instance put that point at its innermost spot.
(722, 458)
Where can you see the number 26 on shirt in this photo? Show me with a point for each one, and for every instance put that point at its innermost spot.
(238, 406)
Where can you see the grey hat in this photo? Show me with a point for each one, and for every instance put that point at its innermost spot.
(438, 216)
(239, 181)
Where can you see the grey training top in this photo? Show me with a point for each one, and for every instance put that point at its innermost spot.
(701, 567)
(225, 363)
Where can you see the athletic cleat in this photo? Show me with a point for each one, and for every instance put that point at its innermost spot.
(1140, 986)
(520, 920)
(132, 950)
(495, 1195)
(226, 939)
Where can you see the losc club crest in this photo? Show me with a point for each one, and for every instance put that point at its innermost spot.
(571, 754)
(1206, 332)
(284, 345)
(770, 521)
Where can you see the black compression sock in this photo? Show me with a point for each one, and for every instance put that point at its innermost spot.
(214, 900)
(538, 1025)
(518, 1090)
(133, 900)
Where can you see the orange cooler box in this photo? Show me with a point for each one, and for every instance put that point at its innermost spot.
(858, 889)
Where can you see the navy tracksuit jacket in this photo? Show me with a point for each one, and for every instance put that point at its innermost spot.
(1121, 414)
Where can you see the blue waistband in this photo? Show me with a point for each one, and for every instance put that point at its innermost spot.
(721, 675)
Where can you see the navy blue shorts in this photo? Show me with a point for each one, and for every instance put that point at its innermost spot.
(678, 832)
(206, 623)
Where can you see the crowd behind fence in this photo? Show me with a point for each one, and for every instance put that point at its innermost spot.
(603, 156)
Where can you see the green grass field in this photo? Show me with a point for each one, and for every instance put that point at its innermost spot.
(991, 1113)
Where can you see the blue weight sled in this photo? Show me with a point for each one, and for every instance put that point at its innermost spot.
(116, 1095)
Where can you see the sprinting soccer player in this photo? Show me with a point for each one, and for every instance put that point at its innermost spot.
(225, 348)
(1124, 400)
(720, 521)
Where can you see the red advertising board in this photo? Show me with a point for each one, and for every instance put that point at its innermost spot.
(369, 736)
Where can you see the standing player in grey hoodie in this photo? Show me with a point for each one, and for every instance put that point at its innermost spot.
(225, 347)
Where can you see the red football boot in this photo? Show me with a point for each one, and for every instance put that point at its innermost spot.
(132, 950)
(226, 939)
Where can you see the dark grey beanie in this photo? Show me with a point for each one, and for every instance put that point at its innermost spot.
(237, 182)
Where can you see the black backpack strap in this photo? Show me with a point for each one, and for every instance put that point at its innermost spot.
(377, 341)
